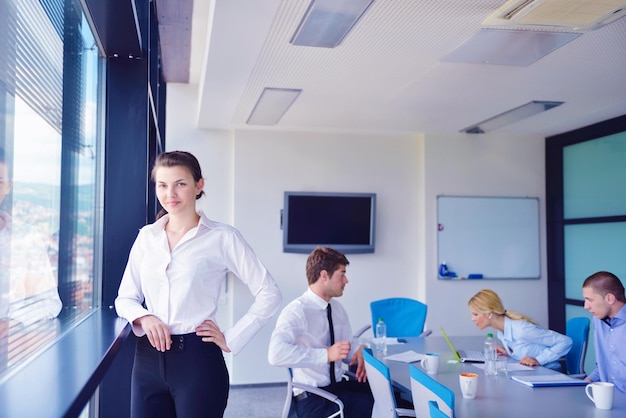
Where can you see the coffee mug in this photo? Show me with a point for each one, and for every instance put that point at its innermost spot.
(601, 393)
(469, 385)
(430, 363)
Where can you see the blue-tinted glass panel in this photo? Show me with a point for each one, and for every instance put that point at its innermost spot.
(594, 178)
(590, 248)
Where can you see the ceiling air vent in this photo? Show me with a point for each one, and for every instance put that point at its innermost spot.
(564, 15)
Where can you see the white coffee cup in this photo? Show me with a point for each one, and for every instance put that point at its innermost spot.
(601, 393)
(469, 385)
(430, 363)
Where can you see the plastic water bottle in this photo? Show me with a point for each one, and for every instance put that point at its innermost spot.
(381, 338)
(490, 356)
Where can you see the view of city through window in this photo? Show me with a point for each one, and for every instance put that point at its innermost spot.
(50, 160)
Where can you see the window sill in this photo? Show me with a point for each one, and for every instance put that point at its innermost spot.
(66, 374)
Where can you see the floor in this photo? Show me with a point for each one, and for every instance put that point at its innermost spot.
(256, 401)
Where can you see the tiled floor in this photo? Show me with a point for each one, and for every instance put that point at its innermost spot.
(258, 401)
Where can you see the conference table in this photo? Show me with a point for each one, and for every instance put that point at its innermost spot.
(497, 396)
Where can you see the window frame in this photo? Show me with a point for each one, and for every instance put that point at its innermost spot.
(555, 219)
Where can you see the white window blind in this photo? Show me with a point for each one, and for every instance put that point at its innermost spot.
(31, 56)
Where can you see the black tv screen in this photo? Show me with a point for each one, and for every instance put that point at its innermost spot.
(343, 221)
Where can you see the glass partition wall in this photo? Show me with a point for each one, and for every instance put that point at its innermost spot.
(586, 201)
(50, 174)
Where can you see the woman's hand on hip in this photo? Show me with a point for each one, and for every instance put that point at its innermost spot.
(157, 332)
(211, 333)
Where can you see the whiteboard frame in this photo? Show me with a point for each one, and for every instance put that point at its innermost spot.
(490, 236)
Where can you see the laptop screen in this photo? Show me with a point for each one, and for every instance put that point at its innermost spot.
(445, 336)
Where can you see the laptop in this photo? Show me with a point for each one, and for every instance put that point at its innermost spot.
(464, 356)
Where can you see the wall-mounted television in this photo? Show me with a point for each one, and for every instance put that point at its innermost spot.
(343, 221)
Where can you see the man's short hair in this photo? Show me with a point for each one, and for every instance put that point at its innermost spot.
(323, 258)
(604, 283)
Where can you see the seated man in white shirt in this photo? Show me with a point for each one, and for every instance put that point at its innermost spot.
(302, 340)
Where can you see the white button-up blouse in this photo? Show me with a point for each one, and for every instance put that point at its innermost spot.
(182, 287)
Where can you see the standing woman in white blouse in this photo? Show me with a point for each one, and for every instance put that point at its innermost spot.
(169, 293)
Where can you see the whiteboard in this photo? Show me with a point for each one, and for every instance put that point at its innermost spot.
(496, 237)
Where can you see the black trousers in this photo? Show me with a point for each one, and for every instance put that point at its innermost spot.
(356, 397)
(188, 381)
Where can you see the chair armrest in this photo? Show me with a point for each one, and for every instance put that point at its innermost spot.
(405, 412)
(317, 391)
(350, 375)
(361, 330)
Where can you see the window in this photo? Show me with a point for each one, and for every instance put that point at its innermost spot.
(50, 174)
(586, 171)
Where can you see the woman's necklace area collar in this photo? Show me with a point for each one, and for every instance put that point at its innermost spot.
(184, 230)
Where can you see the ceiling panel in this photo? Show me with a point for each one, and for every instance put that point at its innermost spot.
(389, 74)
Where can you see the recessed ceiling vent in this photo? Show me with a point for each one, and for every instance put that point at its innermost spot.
(564, 15)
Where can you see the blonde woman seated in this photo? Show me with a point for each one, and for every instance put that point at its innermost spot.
(522, 339)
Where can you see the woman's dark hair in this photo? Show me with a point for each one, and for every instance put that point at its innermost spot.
(178, 159)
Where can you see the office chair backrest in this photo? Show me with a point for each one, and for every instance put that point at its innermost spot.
(578, 330)
(379, 379)
(435, 412)
(404, 317)
(424, 388)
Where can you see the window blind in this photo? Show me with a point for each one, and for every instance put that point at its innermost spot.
(31, 56)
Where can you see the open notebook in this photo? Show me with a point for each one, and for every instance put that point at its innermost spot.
(464, 356)
(556, 379)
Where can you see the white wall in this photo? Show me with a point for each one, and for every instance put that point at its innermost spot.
(269, 163)
(481, 165)
(247, 172)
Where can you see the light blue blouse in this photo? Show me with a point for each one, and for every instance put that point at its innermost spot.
(522, 338)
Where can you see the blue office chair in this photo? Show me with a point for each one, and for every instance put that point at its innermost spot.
(424, 388)
(404, 317)
(379, 379)
(289, 411)
(435, 412)
(578, 330)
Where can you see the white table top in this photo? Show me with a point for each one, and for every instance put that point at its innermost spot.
(499, 396)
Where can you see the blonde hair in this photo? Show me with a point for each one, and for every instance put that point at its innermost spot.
(487, 301)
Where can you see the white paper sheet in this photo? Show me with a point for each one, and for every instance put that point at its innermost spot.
(406, 357)
(510, 367)
(393, 341)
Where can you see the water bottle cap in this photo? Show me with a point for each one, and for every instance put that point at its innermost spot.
(490, 335)
(380, 320)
